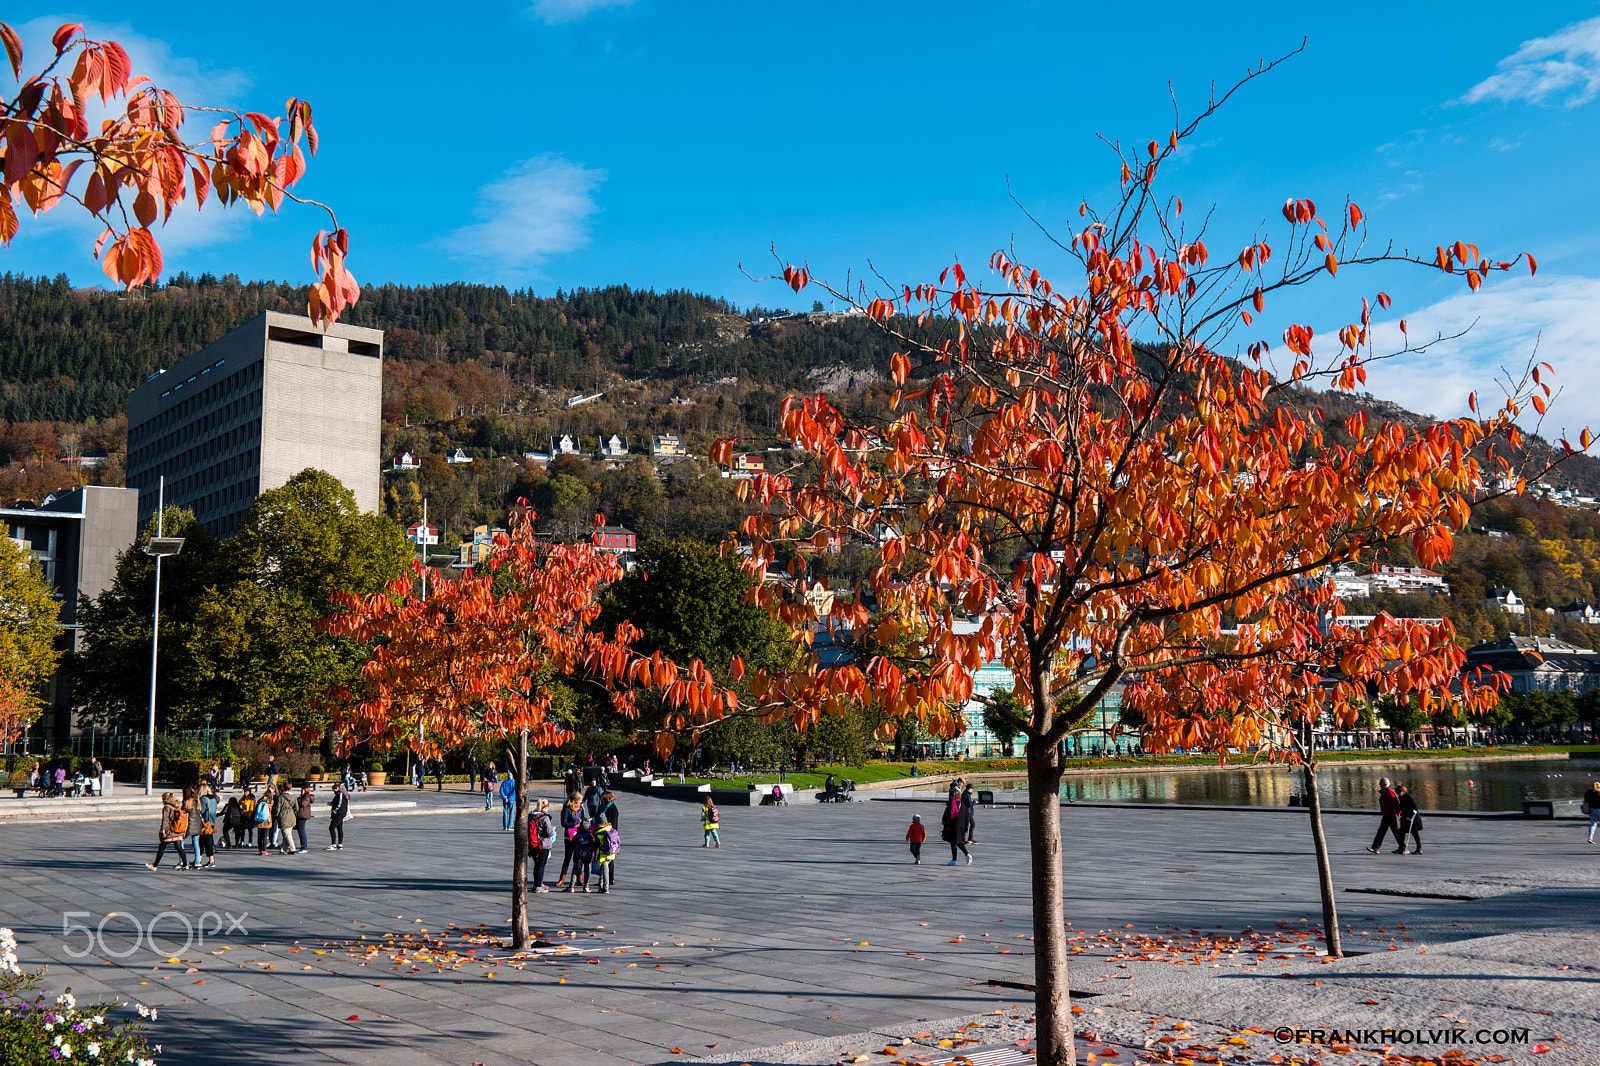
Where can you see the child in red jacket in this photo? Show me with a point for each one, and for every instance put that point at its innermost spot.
(916, 835)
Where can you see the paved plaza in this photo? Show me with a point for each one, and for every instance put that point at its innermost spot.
(806, 929)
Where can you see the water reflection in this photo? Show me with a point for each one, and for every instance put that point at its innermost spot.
(1437, 786)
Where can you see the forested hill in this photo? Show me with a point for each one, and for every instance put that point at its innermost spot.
(73, 355)
(491, 371)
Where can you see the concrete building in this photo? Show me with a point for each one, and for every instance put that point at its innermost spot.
(76, 538)
(1539, 664)
(247, 412)
(1407, 579)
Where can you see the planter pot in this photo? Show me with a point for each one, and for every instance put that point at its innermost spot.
(259, 779)
(316, 777)
(377, 777)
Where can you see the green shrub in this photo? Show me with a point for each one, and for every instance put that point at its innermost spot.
(375, 767)
(35, 1030)
(129, 770)
(316, 768)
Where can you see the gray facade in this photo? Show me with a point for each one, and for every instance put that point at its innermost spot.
(252, 409)
(77, 539)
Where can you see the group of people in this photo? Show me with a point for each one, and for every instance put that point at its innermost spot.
(194, 824)
(589, 836)
(58, 782)
(1398, 810)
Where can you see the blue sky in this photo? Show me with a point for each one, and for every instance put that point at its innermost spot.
(580, 142)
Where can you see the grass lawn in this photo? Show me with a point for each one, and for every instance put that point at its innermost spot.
(897, 771)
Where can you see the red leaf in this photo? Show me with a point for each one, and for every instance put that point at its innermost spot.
(1533, 266)
(13, 48)
(63, 35)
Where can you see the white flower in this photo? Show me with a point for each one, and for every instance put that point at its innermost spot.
(66, 1051)
(66, 1000)
(94, 1049)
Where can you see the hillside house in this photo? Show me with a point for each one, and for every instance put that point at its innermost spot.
(618, 539)
(565, 444)
(1406, 579)
(613, 447)
(752, 463)
(1507, 600)
(458, 458)
(1581, 611)
(407, 461)
(667, 444)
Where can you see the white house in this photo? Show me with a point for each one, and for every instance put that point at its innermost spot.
(1507, 600)
(458, 457)
(1407, 579)
(407, 461)
(565, 444)
(614, 447)
(1581, 611)
(1347, 584)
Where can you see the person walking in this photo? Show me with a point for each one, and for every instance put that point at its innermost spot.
(171, 830)
(571, 822)
(338, 808)
(487, 783)
(272, 772)
(472, 772)
(916, 835)
(709, 819)
(190, 851)
(438, 775)
(541, 841)
(1410, 818)
(1591, 800)
(283, 809)
(582, 855)
(609, 815)
(209, 824)
(1389, 809)
(419, 774)
(304, 811)
(954, 830)
(508, 803)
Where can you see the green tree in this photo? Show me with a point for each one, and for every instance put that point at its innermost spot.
(1402, 715)
(260, 658)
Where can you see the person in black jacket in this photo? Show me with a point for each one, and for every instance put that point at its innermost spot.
(954, 828)
(1591, 800)
(1410, 819)
(338, 807)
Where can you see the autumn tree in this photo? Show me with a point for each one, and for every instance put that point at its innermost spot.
(1158, 482)
(138, 165)
(472, 662)
(28, 630)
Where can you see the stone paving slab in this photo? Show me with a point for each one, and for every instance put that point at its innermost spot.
(760, 944)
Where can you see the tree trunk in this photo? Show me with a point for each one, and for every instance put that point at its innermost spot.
(519, 845)
(1330, 911)
(1051, 999)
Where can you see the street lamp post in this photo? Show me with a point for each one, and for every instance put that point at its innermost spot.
(160, 547)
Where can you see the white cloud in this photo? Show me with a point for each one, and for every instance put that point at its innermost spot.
(555, 12)
(1508, 320)
(539, 209)
(1564, 67)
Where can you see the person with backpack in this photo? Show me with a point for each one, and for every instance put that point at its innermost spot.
(609, 815)
(607, 842)
(508, 803)
(582, 855)
(304, 811)
(969, 811)
(541, 841)
(261, 820)
(338, 808)
(488, 782)
(571, 821)
(709, 819)
(173, 823)
(208, 825)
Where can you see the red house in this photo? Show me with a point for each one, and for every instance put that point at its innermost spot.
(618, 539)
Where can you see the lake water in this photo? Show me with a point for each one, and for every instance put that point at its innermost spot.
(1444, 785)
